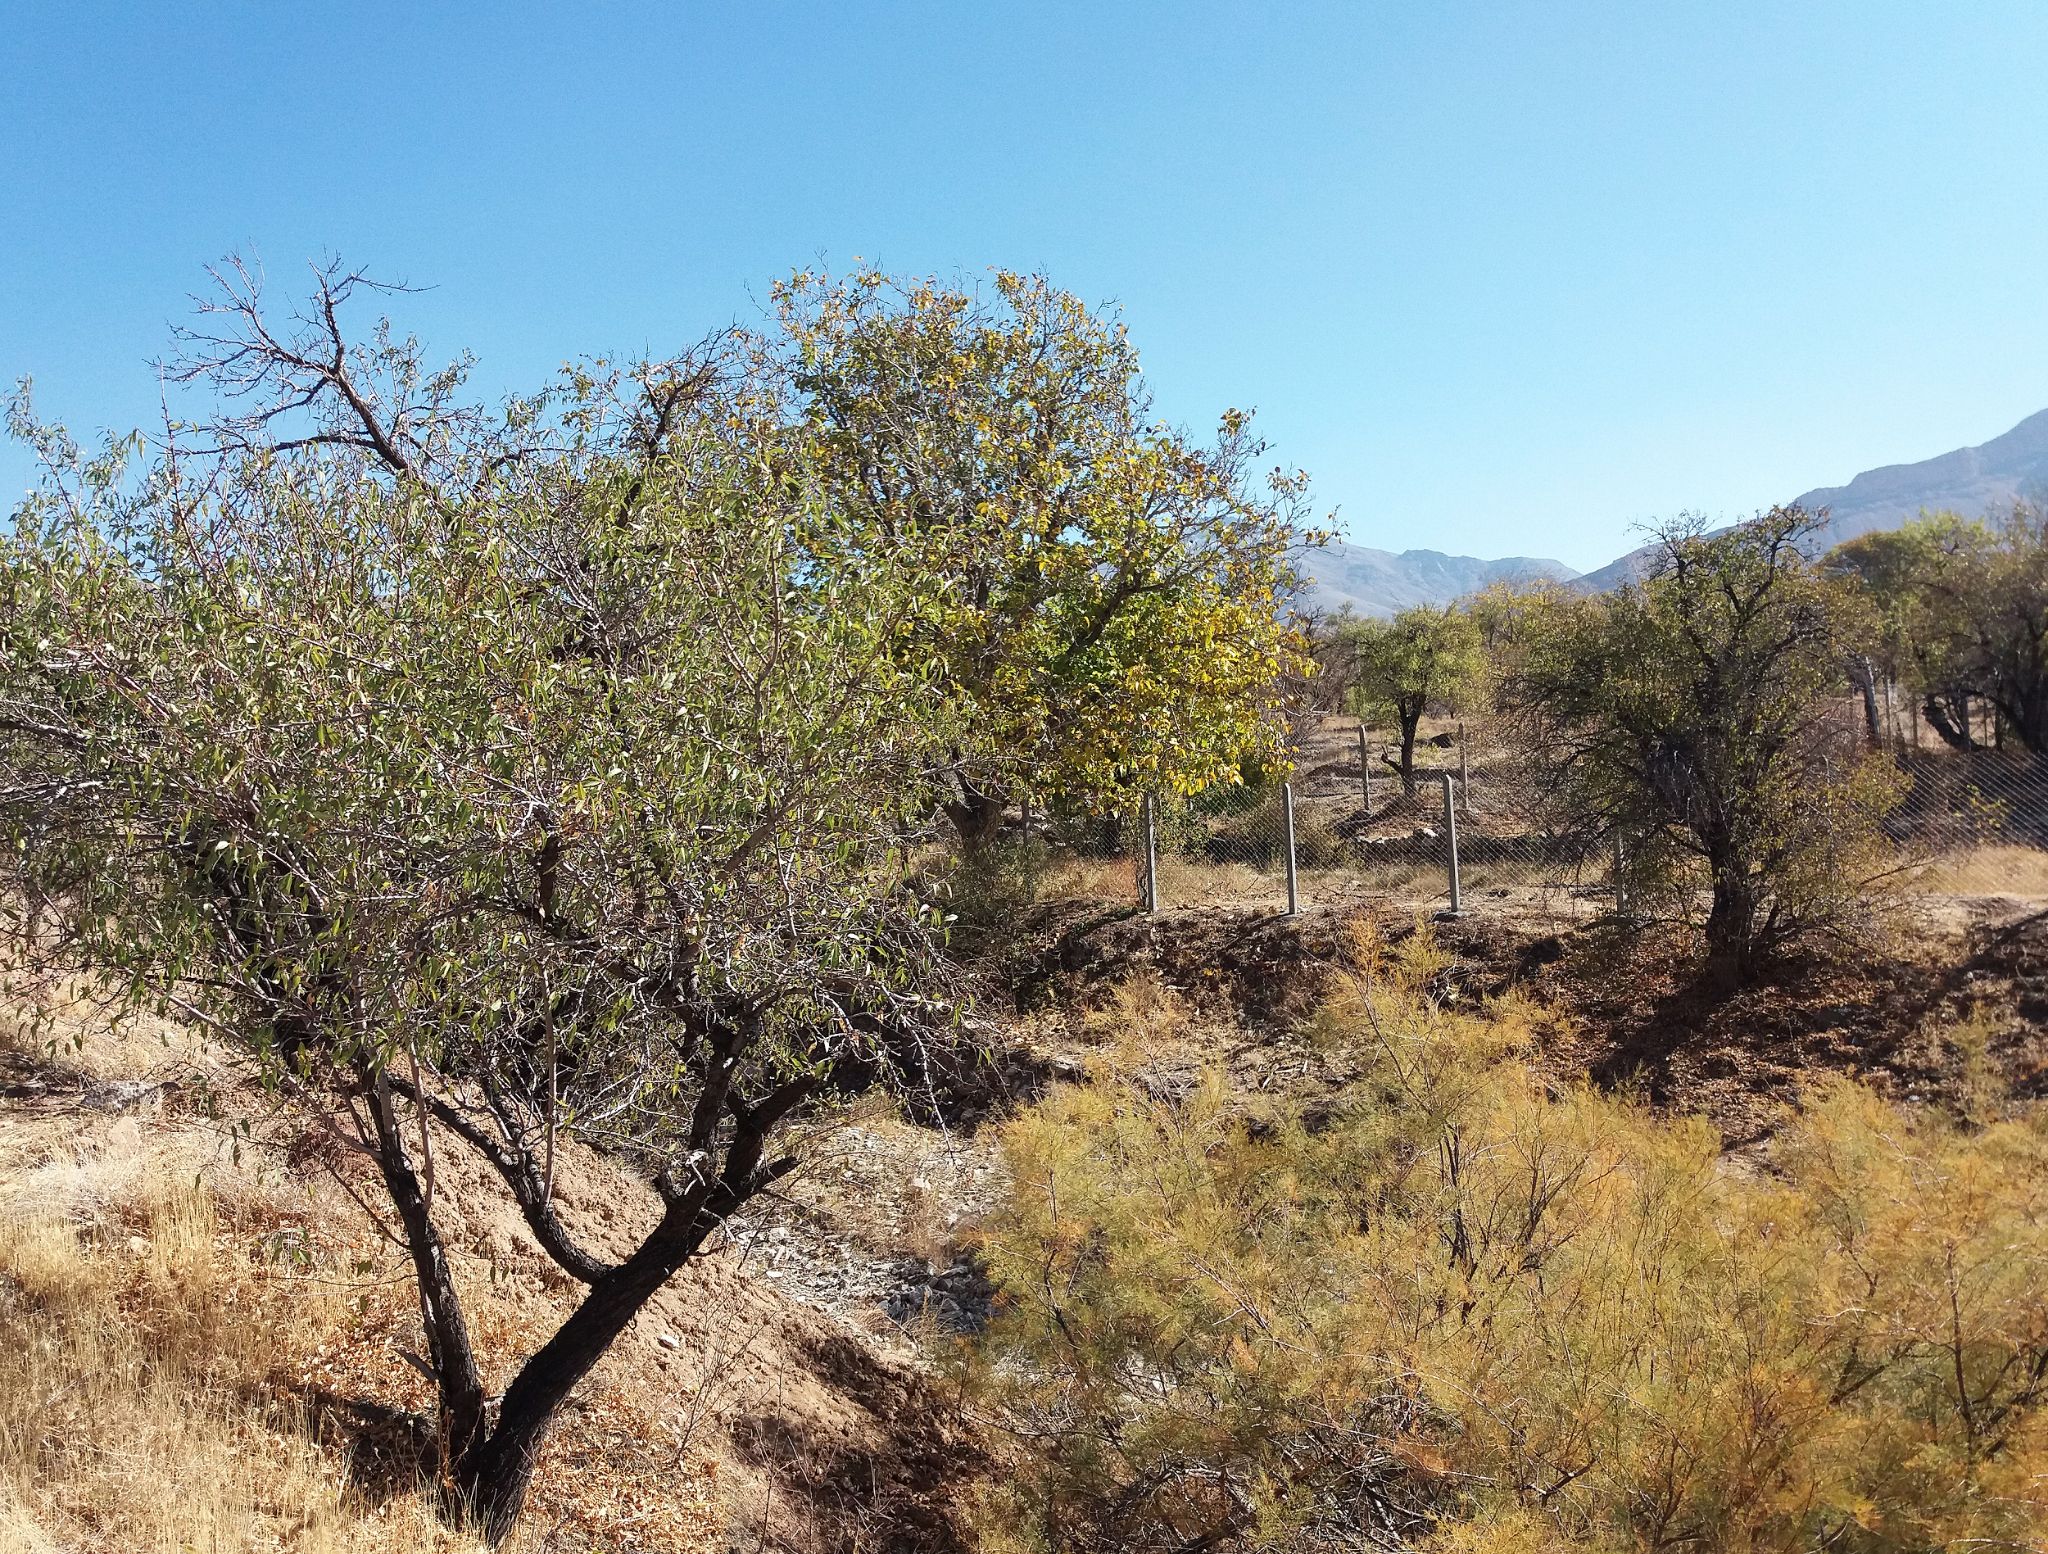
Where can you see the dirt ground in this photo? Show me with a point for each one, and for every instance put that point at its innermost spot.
(1953, 1002)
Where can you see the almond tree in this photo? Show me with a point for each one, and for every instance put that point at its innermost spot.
(531, 773)
(1697, 714)
(1102, 593)
(1425, 659)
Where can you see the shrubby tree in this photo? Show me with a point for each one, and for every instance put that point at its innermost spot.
(1426, 659)
(1964, 606)
(491, 779)
(1880, 565)
(1100, 593)
(1696, 714)
(1995, 583)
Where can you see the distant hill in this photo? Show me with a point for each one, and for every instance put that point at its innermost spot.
(1378, 582)
(1972, 481)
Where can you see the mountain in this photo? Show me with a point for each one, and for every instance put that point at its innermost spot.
(1379, 582)
(1972, 481)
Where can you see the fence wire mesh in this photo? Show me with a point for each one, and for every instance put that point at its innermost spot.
(1368, 825)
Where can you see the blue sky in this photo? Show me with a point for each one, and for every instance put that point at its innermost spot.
(1505, 278)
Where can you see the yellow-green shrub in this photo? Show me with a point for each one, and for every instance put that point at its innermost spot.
(1476, 1310)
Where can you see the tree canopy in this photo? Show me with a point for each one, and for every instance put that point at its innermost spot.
(1098, 593)
(1426, 659)
(524, 776)
(1964, 607)
(1695, 714)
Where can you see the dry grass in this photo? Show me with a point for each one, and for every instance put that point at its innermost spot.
(202, 1341)
(1190, 883)
(187, 1328)
(1986, 871)
(1070, 878)
(135, 1409)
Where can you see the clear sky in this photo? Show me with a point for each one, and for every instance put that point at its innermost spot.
(1504, 278)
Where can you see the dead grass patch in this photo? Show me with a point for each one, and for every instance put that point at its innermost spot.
(199, 1351)
(1985, 871)
(136, 1410)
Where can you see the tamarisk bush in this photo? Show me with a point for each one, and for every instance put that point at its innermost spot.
(1468, 1310)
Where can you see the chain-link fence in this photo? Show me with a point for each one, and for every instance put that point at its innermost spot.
(1457, 820)
(1973, 822)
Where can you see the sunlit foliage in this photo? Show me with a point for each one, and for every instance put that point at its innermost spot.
(1466, 1309)
(537, 773)
(1100, 593)
(1698, 717)
(1424, 660)
(1964, 606)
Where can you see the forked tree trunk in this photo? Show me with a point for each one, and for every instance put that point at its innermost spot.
(487, 1465)
(450, 1357)
(977, 817)
(491, 1478)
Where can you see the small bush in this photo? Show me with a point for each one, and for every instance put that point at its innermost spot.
(987, 887)
(1475, 1311)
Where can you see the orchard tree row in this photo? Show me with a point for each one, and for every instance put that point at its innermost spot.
(1701, 714)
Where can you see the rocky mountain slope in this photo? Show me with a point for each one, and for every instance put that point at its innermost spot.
(1972, 481)
(1366, 581)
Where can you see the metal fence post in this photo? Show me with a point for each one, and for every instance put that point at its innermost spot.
(1029, 854)
(1151, 857)
(1287, 807)
(1365, 767)
(1451, 842)
(1620, 880)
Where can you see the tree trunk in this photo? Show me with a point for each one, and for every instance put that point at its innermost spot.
(486, 1466)
(491, 1478)
(450, 1355)
(1113, 827)
(1731, 923)
(1865, 677)
(1939, 720)
(1409, 722)
(2028, 718)
(976, 815)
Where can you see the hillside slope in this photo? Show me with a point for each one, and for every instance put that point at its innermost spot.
(208, 1344)
(1366, 581)
(1972, 481)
